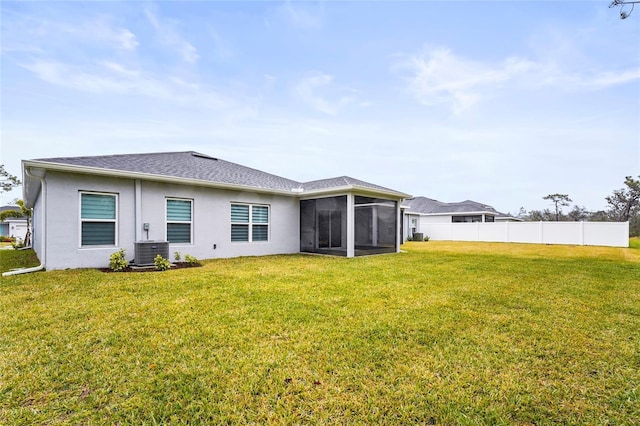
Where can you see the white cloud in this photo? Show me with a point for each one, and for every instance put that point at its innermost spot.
(36, 34)
(170, 37)
(607, 79)
(308, 90)
(438, 76)
(304, 16)
(115, 78)
(127, 39)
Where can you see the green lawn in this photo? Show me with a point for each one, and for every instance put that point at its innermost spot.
(446, 333)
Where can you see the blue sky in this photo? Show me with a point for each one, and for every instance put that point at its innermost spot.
(500, 102)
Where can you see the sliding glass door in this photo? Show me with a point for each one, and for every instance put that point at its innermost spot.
(323, 225)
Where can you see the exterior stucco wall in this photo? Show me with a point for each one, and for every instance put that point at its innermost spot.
(212, 220)
(63, 219)
(210, 216)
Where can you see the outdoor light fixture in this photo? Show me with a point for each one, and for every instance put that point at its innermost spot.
(623, 13)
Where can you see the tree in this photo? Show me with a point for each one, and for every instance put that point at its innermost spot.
(24, 212)
(539, 215)
(578, 213)
(625, 202)
(560, 200)
(7, 180)
(599, 216)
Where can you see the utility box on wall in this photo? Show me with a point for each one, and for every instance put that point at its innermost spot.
(146, 251)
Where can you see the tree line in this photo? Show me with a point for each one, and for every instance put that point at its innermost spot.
(622, 205)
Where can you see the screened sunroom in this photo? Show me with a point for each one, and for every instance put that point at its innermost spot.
(349, 225)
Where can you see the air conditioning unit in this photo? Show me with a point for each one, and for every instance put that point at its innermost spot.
(146, 251)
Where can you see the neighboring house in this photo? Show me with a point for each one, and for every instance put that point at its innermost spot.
(420, 211)
(86, 208)
(13, 226)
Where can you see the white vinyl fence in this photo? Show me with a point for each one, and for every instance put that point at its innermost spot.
(613, 234)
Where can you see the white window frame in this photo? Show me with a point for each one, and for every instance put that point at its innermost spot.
(81, 220)
(167, 221)
(251, 223)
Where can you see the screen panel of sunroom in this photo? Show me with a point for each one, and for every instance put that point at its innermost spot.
(375, 225)
(323, 226)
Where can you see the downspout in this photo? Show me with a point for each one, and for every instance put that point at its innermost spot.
(43, 194)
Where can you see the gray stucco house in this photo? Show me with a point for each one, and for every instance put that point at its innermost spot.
(86, 208)
(420, 211)
(15, 227)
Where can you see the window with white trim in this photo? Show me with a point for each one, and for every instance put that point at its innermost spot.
(249, 223)
(98, 219)
(179, 220)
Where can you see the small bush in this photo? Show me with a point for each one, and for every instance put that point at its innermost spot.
(6, 239)
(409, 238)
(191, 260)
(426, 238)
(177, 256)
(161, 263)
(17, 243)
(117, 261)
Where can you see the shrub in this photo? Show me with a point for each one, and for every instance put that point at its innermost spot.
(409, 238)
(6, 239)
(191, 260)
(161, 263)
(17, 243)
(426, 238)
(177, 256)
(117, 261)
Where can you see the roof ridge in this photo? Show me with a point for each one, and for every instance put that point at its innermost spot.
(122, 155)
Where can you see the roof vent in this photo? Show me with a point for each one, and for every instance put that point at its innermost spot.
(197, 154)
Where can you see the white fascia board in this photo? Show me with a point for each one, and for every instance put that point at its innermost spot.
(148, 176)
(360, 190)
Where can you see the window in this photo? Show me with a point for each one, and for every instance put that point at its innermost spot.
(466, 219)
(98, 219)
(179, 220)
(488, 218)
(249, 223)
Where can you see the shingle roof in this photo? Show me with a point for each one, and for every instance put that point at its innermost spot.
(193, 165)
(428, 206)
(188, 165)
(341, 181)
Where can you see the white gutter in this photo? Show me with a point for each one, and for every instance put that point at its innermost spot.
(351, 188)
(43, 194)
